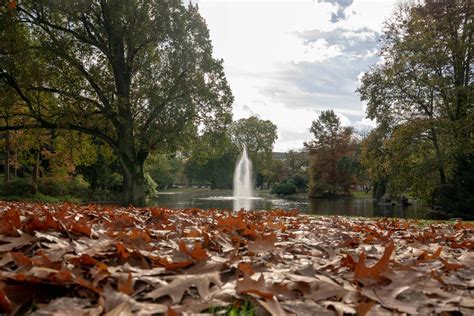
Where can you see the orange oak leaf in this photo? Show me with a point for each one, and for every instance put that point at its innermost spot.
(122, 251)
(362, 272)
(246, 268)
(262, 243)
(197, 253)
(425, 256)
(364, 307)
(21, 260)
(125, 285)
(174, 265)
(348, 262)
(451, 266)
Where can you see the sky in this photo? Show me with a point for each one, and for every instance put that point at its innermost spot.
(286, 61)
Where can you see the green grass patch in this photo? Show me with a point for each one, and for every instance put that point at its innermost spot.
(238, 309)
(41, 198)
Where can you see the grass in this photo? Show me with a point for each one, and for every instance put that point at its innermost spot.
(41, 198)
(238, 309)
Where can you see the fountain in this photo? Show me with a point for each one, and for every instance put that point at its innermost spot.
(243, 184)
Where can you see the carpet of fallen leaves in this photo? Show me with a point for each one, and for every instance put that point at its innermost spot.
(93, 260)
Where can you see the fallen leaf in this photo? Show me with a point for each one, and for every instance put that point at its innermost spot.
(9, 243)
(262, 243)
(362, 272)
(125, 286)
(247, 285)
(181, 283)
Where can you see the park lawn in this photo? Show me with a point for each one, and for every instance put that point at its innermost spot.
(99, 259)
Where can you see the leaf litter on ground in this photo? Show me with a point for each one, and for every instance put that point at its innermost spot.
(106, 260)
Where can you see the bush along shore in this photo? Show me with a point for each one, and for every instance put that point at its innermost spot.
(97, 259)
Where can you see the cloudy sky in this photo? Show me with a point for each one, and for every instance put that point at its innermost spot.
(288, 60)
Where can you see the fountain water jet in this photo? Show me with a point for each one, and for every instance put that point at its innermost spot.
(243, 184)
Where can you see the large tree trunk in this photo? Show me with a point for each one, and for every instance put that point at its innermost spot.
(131, 163)
(439, 158)
(7, 156)
(133, 183)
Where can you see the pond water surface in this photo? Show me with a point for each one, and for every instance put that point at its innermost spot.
(348, 206)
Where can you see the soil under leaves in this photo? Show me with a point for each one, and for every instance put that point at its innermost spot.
(93, 260)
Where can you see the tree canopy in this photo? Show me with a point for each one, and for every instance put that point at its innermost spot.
(332, 142)
(421, 97)
(138, 75)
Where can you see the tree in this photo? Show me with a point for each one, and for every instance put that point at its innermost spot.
(137, 74)
(422, 93)
(258, 136)
(331, 143)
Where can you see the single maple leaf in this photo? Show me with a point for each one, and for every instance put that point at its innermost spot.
(181, 283)
(362, 272)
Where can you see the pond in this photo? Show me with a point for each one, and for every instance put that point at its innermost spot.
(222, 199)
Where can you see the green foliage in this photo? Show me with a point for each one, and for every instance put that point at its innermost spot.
(421, 98)
(150, 186)
(284, 188)
(17, 187)
(142, 80)
(258, 136)
(75, 186)
(332, 144)
(238, 309)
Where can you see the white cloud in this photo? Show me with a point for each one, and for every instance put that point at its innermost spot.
(285, 60)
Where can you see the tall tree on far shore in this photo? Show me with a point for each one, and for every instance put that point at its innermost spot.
(137, 74)
(331, 143)
(258, 136)
(421, 93)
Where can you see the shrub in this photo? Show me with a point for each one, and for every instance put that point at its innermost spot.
(52, 186)
(17, 187)
(76, 186)
(284, 188)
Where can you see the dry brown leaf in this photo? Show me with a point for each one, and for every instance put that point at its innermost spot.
(181, 283)
(8, 243)
(262, 243)
(249, 286)
(272, 306)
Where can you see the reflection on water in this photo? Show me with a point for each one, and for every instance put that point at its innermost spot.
(336, 206)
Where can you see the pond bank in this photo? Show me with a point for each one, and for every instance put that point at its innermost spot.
(347, 206)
